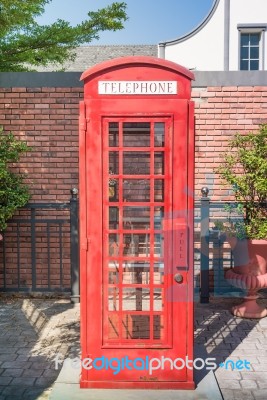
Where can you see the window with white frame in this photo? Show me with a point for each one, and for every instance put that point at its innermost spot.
(251, 46)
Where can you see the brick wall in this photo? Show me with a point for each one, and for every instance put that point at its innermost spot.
(220, 112)
(47, 118)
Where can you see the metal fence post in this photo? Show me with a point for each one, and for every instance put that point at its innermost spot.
(217, 263)
(204, 245)
(74, 247)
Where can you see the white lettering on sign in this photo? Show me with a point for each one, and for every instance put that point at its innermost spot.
(137, 87)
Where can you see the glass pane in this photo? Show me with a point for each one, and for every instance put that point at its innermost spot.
(113, 134)
(113, 272)
(159, 273)
(136, 272)
(136, 190)
(136, 326)
(158, 217)
(244, 53)
(244, 39)
(159, 134)
(113, 217)
(244, 65)
(158, 245)
(113, 299)
(136, 245)
(113, 189)
(158, 327)
(136, 163)
(254, 65)
(113, 166)
(159, 163)
(254, 52)
(157, 300)
(136, 299)
(136, 218)
(159, 190)
(136, 134)
(113, 324)
(113, 244)
(254, 39)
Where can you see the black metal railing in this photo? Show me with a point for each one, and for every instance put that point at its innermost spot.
(214, 253)
(39, 249)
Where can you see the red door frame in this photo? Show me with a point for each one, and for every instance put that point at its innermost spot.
(92, 113)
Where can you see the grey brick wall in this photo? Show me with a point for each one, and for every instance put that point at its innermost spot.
(87, 56)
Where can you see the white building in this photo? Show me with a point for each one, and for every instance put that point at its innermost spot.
(231, 38)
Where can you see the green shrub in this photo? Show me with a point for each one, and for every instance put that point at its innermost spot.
(13, 192)
(244, 168)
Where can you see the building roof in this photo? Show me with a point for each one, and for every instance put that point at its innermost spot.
(124, 62)
(87, 56)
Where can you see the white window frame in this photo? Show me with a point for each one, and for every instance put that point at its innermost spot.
(253, 28)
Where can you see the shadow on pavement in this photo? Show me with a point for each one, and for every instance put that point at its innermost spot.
(32, 332)
(220, 335)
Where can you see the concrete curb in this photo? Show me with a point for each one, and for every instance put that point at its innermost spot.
(67, 387)
(36, 317)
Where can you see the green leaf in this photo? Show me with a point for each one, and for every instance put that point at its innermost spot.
(244, 169)
(25, 45)
(13, 192)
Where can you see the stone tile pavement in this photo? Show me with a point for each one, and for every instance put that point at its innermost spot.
(226, 338)
(33, 331)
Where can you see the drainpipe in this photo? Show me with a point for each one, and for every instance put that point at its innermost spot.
(162, 46)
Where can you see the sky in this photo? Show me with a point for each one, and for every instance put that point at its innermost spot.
(150, 21)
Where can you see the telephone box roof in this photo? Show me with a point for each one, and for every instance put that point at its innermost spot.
(137, 61)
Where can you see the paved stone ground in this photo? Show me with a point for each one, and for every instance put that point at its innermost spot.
(33, 331)
(226, 337)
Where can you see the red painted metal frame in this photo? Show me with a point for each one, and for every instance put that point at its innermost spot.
(94, 114)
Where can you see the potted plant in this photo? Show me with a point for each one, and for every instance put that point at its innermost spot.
(13, 192)
(244, 168)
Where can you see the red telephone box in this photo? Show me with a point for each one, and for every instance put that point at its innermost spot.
(136, 225)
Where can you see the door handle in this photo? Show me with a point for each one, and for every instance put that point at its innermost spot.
(180, 245)
(178, 278)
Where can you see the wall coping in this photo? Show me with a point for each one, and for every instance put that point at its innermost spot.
(230, 78)
(72, 79)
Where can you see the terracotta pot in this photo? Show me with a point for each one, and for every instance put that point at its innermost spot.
(249, 273)
(250, 256)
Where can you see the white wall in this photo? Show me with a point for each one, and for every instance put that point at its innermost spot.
(243, 12)
(204, 50)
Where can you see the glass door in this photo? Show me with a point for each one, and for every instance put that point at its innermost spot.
(137, 205)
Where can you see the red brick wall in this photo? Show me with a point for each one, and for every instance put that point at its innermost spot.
(48, 119)
(220, 112)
